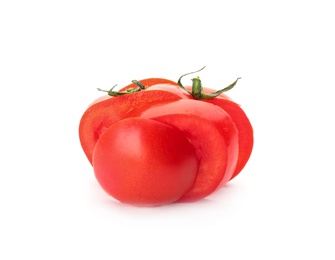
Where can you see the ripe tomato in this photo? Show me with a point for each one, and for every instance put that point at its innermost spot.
(144, 162)
(156, 142)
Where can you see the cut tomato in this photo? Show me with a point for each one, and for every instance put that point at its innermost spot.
(244, 128)
(212, 133)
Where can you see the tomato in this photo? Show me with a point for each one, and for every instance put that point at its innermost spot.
(138, 162)
(156, 142)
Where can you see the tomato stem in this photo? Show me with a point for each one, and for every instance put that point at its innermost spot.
(113, 93)
(139, 84)
(181, 85)
(197, 88)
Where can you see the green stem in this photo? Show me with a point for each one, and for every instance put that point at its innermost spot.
(202, 96)
(113, 93)
(197, 88)
(179, 80)
(139, 84)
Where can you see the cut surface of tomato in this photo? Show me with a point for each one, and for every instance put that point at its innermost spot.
(209, 112)
(244, 128)
(210, 148)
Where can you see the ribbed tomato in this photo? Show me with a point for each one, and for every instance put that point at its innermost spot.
(156, 142)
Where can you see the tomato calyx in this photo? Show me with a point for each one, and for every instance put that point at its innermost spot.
(197, 88)
(113, 93)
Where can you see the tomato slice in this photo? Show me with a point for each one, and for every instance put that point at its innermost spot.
(144, 162)
(212, 133)
(99, 116)
(244, 127)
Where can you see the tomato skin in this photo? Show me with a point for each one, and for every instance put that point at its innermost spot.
(144, 162)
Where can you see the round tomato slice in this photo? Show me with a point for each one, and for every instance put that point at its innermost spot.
(244, 128)
(212, 133)
(243, 125)
(144, 162)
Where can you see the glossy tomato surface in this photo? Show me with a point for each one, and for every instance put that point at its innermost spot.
(145, 162)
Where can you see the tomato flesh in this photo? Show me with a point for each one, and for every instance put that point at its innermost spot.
(212, 133)
(144, 162)
(244, 128)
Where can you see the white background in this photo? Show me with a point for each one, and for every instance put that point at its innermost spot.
(53, 56)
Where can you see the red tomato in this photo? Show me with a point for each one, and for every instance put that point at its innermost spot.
(144, 162)
(156, 142)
